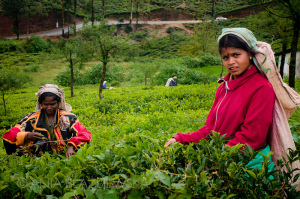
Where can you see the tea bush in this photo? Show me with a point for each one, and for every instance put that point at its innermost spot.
(128, 28)
(91, 75)
(163, 47)
(37, 44)
(126, 157)
(113, 73)
(7, 45)
(185, 75)
(209, 60)
(32, 68)
(169, 30)
(139, 36)
(64, 77)
(202, 61)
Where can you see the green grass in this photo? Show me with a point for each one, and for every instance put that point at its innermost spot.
(212, 70)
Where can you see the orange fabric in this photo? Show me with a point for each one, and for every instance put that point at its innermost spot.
(20, 139)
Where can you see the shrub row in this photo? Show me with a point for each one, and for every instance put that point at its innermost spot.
(34, 45)
(126, 158)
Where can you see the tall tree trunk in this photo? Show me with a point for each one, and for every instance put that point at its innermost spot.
(213, 8)
(72, 75)
(17, 27)
(282, 61)
(102, 79)
(27, 31)
(4, 102)
(103, 9)
(137, 15)
(75, 6)
(93, 13)
(131, 9)
(28, 21)
(63, 20)
(294, 44)
(68, 23)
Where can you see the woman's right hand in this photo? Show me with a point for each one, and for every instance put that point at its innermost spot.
(170, 141)
(33, 136)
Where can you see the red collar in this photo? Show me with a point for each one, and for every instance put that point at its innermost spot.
(233, 84)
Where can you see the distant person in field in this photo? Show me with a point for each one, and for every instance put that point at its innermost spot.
(244, 102)
(105, 86)
(172, 81)
(51, 127)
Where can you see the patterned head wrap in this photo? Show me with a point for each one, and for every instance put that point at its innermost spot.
(250, 39)
(52, 88)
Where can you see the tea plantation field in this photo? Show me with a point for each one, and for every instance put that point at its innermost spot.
(126, 157)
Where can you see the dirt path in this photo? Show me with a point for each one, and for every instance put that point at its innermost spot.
(56, 32)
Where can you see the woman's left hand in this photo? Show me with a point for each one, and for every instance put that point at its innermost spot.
(70, 151)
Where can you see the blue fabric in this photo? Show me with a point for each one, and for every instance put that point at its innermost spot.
(173, 83)
(258, 159)
(104, 86)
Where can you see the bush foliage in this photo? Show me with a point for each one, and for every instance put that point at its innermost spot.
(10, 46)
(126, 158)
(37, 44)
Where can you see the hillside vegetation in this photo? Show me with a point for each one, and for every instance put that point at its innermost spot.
(126, 158)
(131, 123)
(124, 6)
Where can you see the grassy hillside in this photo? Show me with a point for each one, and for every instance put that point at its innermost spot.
(123, 6)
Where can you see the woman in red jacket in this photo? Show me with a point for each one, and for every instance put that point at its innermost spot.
(244, 101)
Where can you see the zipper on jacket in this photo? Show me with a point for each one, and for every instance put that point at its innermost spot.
(226, 88)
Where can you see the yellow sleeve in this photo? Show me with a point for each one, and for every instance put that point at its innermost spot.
(20, 139)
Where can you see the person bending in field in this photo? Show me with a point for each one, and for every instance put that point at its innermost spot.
(243, 105)
(105, 86)
(173, 81)
(50, 128)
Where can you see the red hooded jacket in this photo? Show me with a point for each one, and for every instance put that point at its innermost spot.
(242, 109)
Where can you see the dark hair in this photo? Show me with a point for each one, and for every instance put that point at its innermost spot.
(232, 40)
(47, 94)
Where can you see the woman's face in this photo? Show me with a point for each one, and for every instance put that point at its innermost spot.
(50, 105)
(235, 60)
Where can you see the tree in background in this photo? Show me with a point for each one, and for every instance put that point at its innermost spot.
(69, 4)
(103, 9)
(33, 9)
(93, 12)
(74, 25)
(14, 9)
(281, 30)
(204, 41)
(90, 9)
(10, 80)
(148, 70)
(202, 8)
(213, 8)
(75, 51)
(63, 18)
(104, 43)
(131, 10)
(286, 9)
(142, 6)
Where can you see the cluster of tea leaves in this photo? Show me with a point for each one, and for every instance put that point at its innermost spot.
(126, 157)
